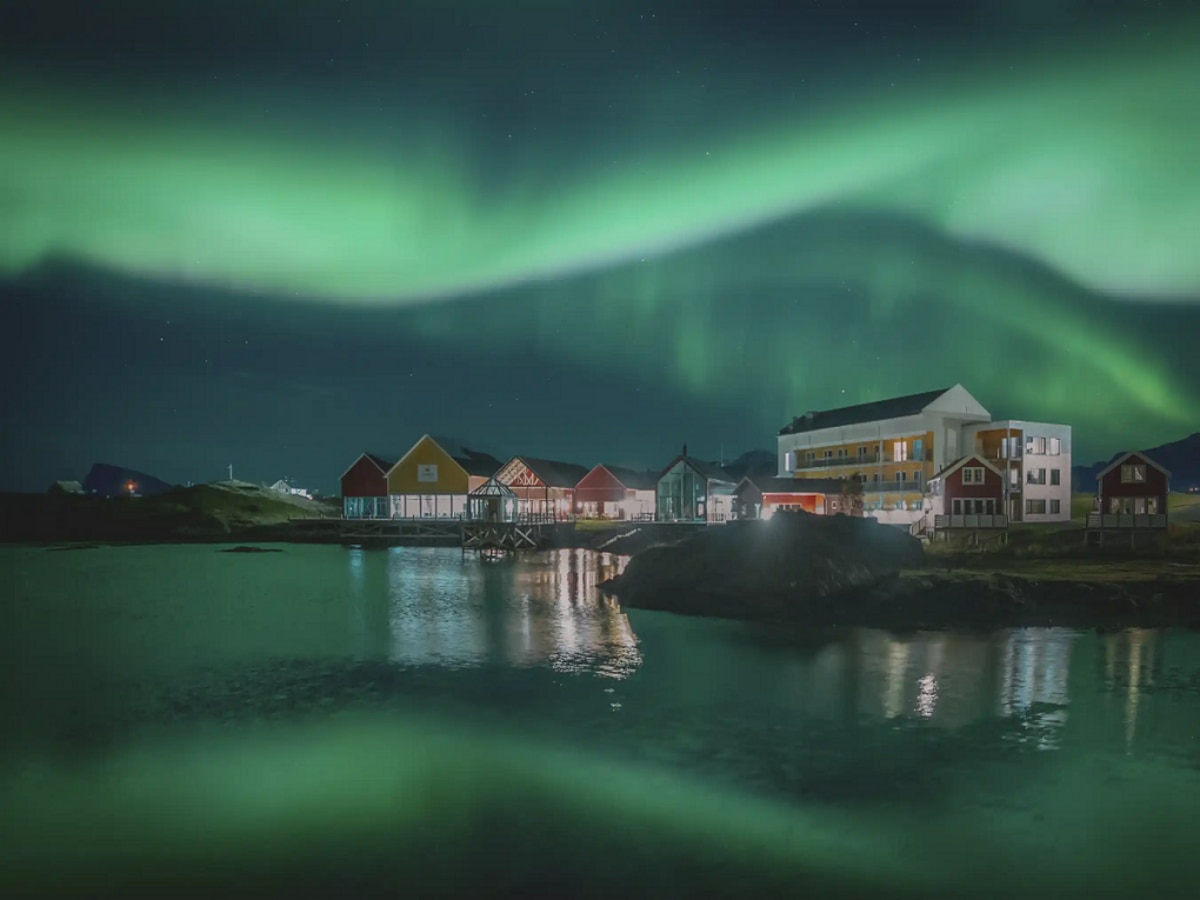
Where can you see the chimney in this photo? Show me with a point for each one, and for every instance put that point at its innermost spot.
(685, 449)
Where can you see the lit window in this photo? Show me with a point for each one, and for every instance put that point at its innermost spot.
(1055, 446)
(1035, 445)
(899, 451)
(1152, 506)
(1133, 474)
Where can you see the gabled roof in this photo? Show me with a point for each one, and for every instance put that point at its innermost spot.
(1130, 455)
(706, 470)
(493, 488)
(633, 479)
(962, 461)
(773, 484)
(895, 408)
(478, 463)
(378, 461)
(554, 473)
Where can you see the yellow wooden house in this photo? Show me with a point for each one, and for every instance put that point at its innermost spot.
(434, 478)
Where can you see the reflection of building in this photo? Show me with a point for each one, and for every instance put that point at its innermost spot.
(1129, 666)
(447, 610)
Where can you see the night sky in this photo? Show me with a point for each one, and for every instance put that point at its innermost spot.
(275, 234)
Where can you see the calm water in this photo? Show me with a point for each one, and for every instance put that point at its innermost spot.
(340, 722)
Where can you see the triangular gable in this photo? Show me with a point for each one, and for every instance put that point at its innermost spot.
(493, 488)
(1132, 454)
(377, 461)
(707, 471)
(451, 477)
(600, 477)
(962, 461)
(957, 401)
(517, 473)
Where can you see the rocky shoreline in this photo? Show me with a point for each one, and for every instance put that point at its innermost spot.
(819, 572)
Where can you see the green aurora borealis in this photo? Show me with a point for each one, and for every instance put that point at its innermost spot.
(746, 226)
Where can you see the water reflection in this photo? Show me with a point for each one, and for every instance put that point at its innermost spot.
(446, 609)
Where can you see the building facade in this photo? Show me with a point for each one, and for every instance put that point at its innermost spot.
(430, 483)
(691, 490)
(760, 497)
(613, 492)
(364, 488)
(893, 446)
(545, 488)
(1131, 492)
(1036, 460)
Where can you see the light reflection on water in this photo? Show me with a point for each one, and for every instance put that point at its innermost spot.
(905, 731)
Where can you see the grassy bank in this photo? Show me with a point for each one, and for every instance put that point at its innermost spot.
(193, 513)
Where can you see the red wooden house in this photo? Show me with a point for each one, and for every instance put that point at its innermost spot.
(968, 493)
(612, 492)
(364, 488)
(545, 488)
(1131, 493)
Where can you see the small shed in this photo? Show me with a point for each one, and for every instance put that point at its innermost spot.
(1131, 493)
(492, 502)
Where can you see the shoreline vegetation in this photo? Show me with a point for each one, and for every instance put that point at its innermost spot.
(795, 569)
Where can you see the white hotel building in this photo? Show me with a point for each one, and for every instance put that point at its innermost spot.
(897, 446)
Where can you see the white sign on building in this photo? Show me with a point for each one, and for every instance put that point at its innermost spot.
(427, 474)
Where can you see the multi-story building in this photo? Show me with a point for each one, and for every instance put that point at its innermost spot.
(896, 446)
(1037, 458)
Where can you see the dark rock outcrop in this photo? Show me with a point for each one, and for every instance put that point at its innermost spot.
(793, 564)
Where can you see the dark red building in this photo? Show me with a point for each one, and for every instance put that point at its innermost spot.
(1133, 485)
(364, 488)
(613, 492)
(970, 486)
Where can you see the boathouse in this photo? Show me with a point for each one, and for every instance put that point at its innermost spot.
(614, 492)
(428, 482)
(691, 490)
(1131, 494)
(364, 488)
(761, 496)
(545, 488)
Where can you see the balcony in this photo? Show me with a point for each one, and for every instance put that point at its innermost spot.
(893, 487)
(844, 462)
(1110, 522)
(946, 523)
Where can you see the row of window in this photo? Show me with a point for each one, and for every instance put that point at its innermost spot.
(1133, 474)
(1038, 476)
(901, 452)
(986, 506)
(1133, 506)
(1042, 446)
(1040, 507)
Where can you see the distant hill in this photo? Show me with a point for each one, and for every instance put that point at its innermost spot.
(106, 480)
(752, 462)
(1181, 458)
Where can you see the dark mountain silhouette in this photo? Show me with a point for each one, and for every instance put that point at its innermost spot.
(1181, 458)
(107, 480)
(752, 462)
